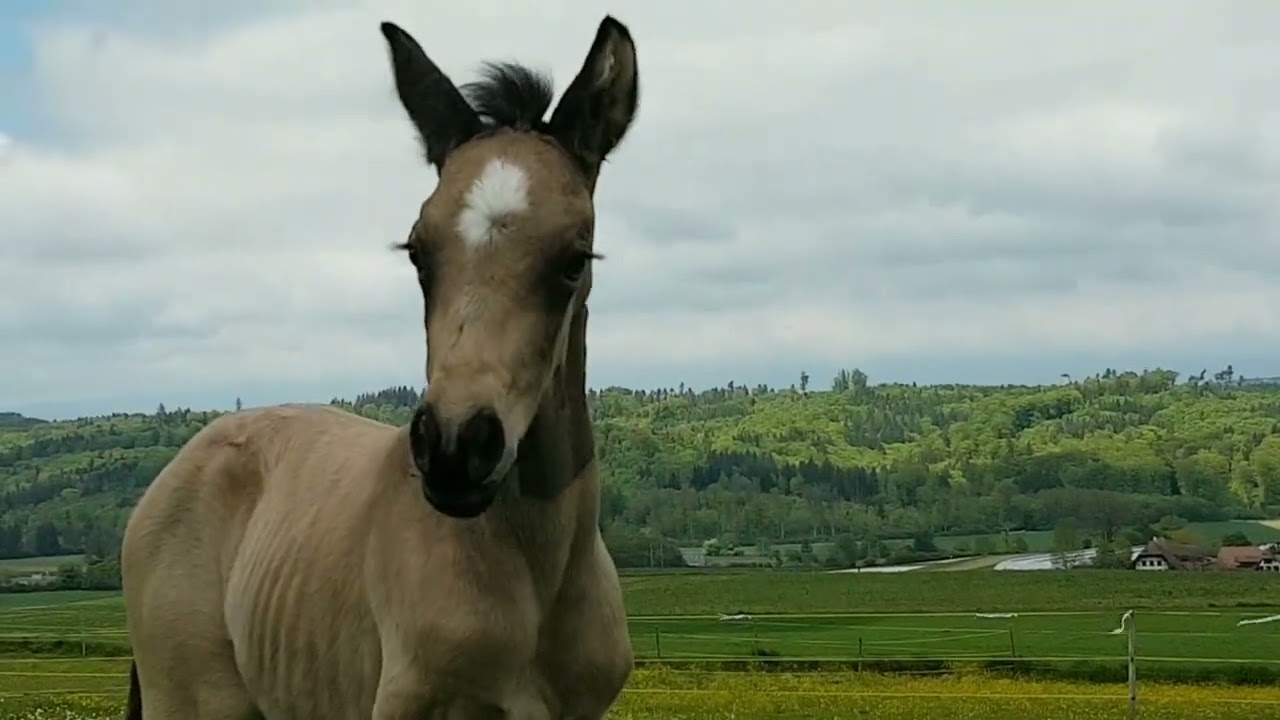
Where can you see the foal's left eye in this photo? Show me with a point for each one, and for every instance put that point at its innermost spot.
(574, 267)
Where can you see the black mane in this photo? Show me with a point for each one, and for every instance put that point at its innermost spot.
(510, 95)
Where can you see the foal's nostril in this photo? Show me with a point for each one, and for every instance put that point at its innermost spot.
(424, 437)
(455, 465)
(482, 442)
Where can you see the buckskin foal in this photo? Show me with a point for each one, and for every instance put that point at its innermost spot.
(303, 563)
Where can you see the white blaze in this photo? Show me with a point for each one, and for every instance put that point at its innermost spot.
(501, 189)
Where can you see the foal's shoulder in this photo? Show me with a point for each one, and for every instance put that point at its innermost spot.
(270, 427)
(310, 415)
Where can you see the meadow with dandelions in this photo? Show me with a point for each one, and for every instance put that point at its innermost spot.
(666, 694)
(990, 646)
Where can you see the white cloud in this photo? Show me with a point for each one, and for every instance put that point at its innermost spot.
(848, 184)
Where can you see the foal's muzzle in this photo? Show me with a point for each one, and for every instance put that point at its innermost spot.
(461, 470)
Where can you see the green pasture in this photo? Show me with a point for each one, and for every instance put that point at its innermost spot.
(1257, 532)
(108, 676)
(1037, 541)
(95, 627)
(48, 563)
(27, 602)
(810, 593)
(1062, 616)
(766, 592)
(1164, 636)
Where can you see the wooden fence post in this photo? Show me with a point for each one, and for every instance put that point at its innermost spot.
(1133, 667)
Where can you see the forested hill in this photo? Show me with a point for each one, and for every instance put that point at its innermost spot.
(1113, 451)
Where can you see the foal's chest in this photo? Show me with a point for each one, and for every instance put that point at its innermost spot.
(507, 659)
(585, 652)
(576, 673)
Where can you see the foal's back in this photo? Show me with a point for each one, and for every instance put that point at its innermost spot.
(249, 546)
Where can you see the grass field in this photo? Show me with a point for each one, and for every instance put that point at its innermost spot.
(1038, 541)
(1258, 531)
(1165, 637)
(766, 592)
(20, 566)
(95, 626)
(958, 664)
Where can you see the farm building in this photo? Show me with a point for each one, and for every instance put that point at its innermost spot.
(1164, 554)
(37, 579)
(1248, 558)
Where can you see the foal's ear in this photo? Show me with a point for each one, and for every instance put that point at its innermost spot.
(600, 103)
(442, 116)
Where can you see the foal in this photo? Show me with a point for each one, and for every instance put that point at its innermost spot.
(303, 563)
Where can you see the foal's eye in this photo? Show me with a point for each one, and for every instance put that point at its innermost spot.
(421, 261)
(574, 267)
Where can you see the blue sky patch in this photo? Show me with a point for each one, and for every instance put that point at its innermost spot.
(19, 116)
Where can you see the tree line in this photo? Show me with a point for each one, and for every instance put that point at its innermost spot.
(857, 464)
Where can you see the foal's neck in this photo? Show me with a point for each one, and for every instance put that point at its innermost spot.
(551, 507)
(559, 446)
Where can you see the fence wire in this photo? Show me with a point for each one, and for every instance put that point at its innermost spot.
(685, 656)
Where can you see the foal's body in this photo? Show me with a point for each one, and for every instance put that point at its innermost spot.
(303, 563)
(284, 534)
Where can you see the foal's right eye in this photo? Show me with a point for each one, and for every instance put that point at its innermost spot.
(421, 260)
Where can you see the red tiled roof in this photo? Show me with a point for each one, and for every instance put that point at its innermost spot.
(1234, 557)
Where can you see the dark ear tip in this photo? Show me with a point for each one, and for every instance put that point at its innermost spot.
(611, 23)
(391, 31)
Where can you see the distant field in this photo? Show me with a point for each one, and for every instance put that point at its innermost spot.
(11, 603)
(1037, 541)
(822, 615)
(95, 626)
(1178, 637)
(776, 592)
(1258, 531)
(766, 592)
(37, 564)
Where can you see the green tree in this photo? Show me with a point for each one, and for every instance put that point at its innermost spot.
(1236, 539)
(1066, 539)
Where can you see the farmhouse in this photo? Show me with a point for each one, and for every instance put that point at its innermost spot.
(1248, 558)
(1164, 554)
(37, 579)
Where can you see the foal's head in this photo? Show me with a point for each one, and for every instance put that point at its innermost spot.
(503, 248)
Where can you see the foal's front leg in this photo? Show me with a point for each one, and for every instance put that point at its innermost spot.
(402, 702)
(403, 694)
(410, 699)
(458, 709)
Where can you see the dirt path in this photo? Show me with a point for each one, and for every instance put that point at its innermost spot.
(981, 562)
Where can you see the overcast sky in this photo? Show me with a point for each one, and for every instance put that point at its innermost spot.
(196, 205)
